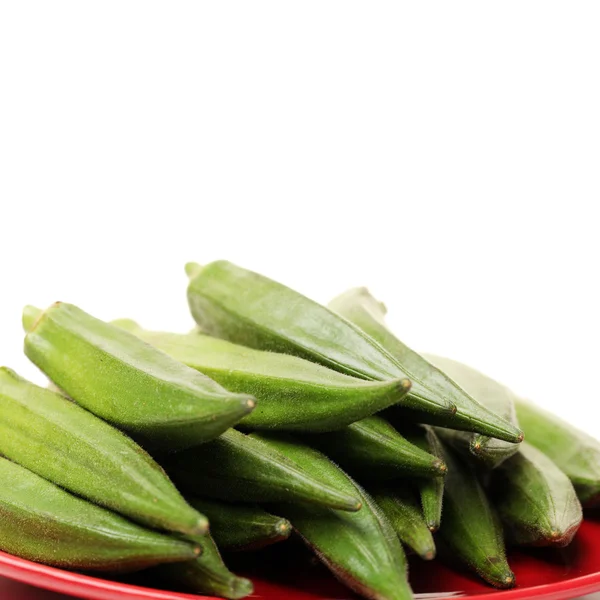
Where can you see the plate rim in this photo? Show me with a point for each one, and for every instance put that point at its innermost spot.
(61, 580)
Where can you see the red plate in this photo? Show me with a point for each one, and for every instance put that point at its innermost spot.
(547, 574)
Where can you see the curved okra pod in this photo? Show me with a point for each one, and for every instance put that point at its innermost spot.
(576, 453)
(62, 442)
(293, 394)
(44, 523)
(535, 500)
(247, 468)
(127, 382)
(362, 309)
(240, 306)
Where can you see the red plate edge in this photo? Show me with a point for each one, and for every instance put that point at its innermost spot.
(91, 588)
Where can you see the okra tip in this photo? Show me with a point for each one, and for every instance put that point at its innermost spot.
(440, 466)
(30, 316)
(192, 269)
(239, 587)
(283, 528)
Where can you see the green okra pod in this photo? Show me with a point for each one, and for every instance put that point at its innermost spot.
(62, 442)
(494, 396)
(431, 489)
(400, 505)
(471, 529)
(240, 306)
(535, 500)
(361, 548)
(44, 523)
(362, 309)
(242, 526)
(208, 574)
(292, 393)
(129, 383)
(576, 453)
(372, 449)
(247, 468)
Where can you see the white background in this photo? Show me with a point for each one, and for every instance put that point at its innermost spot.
(444, 154)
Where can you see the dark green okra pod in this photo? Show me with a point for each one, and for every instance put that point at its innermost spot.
(208, 574)
(372, 449)
(399, 504)
(246, 468)
(361, 548)
(471, 528)
(431, 490)
(127, 382)
(241, 526)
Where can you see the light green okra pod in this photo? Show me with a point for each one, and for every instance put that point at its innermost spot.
(71, 447)
(361, 548)
(245, 468)
(208, 574)
(240, 306)
(575, 452)
(129, 383)
(362, 309)
(494, 396)
(535, 500)
(292, 393)
(44, 523)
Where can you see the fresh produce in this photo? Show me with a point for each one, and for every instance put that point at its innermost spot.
(242, 526)
(234, 304)
(373, 449)
(574, 452)
(360, 548)
(207, 574)
(399, 504)
(491, 394)
(62, 442)
(130, 384)
(536, 500)
(470, 526)
(359, 307)
(44, 523)
(431, 489)
(292, 393)
(248, 468)
(250, 414)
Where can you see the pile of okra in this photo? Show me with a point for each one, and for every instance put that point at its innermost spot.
(274, 418)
